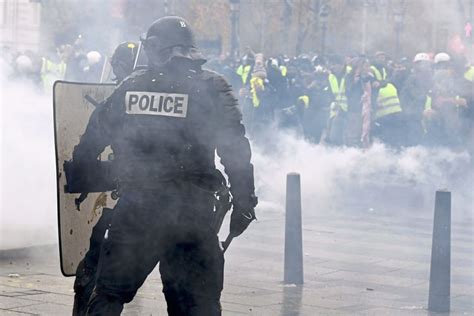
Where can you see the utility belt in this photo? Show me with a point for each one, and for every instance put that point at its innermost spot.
(101, 176)
(97, 176)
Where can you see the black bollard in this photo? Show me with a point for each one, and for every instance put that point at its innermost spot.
(293, 231)
(440, 274)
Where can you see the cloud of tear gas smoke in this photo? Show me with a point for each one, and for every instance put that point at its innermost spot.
(376, 179)
(333, 179)
(27, 185)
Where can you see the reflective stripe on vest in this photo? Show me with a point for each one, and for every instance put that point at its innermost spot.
(333, 110)
(305, 100)
(339, 91)
(243, 72)
(378, 75)
(469, 74)
(256, 83)
(50, 72)
(387, 101)
(428, 103)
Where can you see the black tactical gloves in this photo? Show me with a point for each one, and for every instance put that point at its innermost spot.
(240, 220)
(242, 216)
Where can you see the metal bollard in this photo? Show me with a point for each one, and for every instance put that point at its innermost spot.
(293, 233)
(440, 273)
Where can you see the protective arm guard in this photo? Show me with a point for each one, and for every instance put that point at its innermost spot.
(85, 172)
(91, 177)
(233, 147)
(95, 138)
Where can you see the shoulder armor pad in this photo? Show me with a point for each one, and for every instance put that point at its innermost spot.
(218, 82)
(134, 75)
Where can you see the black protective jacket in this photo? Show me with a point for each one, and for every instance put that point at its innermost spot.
(166, 124)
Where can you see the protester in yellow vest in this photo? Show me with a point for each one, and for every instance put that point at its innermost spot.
(244, 71)
(261, 92)
(337, 116)
(51, 70)
(469, 74)
(337, 81)
(388, 121)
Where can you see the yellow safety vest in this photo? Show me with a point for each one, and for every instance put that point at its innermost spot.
(387, 101)
(256, 83)
(378, 75)
(50, 72)
(469, 74)
(243, 72)
(428, 103)
(305, 100)
(339, 91)
(283, 70)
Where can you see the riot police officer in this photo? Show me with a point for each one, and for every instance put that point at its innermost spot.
(123, 60)
(166, 123)
(122, 63)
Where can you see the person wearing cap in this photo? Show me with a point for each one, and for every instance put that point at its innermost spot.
(166, 122)
(415, 97)
(448, 119)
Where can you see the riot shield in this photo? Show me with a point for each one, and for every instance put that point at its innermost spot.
(73, 104)
(107, 72)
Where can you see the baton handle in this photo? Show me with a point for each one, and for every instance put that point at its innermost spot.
(226, 243)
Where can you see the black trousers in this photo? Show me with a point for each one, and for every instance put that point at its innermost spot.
(390, 130)
(87, 268)
(170, 225)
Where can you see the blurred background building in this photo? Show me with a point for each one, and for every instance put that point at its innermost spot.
(20, 24)
(400, 27)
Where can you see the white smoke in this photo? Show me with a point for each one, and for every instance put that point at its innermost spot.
(341, 179)
(333, 179)
(28, 189)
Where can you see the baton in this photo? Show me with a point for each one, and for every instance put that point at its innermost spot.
(91, 100)
(226, 243)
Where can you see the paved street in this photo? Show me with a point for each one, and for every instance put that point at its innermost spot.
(363, 262)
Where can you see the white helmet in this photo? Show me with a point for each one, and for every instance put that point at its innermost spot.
(441, 57)
(23, 63)
(422, 57)
(93, 57)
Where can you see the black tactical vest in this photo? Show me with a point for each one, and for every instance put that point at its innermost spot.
(166, 122)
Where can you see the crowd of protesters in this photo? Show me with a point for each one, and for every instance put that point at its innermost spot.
(335, 100)
(354, 100)
(66, 62)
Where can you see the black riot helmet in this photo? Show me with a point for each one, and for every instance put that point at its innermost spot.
(123, 60)
(170, 37)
